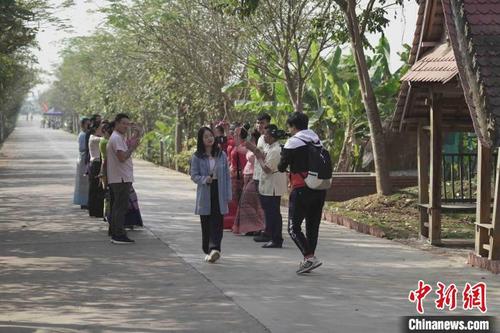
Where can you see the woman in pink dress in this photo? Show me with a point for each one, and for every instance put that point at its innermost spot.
(237, 161)
(249, 216)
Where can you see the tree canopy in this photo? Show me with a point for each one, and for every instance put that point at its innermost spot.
(175, 65)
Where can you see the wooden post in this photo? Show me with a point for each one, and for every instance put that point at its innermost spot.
(494, 235)
(436, 172)
(149, 150)
(2, 127)
(162, 152)
(483, 199)
(423, 156)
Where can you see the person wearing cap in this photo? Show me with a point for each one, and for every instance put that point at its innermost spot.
(272, 185)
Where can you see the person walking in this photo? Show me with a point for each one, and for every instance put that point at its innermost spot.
(210, 171)
(120, 173)
(272, 186)
(81, 193)
(304, 203)
(249, 216)
(96, 192)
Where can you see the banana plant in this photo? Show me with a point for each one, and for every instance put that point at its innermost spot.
(264, 94)
(162, 132)
(337, 107)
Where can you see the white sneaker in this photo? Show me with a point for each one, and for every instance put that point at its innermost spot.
(213, 256)
(308, 265)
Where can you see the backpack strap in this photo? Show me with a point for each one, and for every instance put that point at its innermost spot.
(310, 142)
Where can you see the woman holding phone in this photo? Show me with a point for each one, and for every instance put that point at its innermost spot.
(210, 171)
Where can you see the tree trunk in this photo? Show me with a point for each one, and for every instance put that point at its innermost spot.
(76, 123)
(294, 89)
(2, 128)
(178, 133)
(299, 98)
(369, 100)
(345, 157)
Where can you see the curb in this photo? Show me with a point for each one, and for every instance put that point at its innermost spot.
(484, 263)
(352, 224)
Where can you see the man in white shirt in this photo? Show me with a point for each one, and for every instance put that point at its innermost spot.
(273, 184)
(120, 172)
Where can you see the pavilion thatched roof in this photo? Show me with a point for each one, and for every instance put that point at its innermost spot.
(472, 28)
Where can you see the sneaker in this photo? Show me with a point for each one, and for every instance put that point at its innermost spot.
(213, 256)
(308, 265)
(122, 240)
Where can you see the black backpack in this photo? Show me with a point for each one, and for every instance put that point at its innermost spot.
(319, 165)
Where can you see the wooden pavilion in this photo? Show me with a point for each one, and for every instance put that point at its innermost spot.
(454, 86)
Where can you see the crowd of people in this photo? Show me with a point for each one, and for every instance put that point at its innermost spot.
(241, 172)
(242, 176)
(104, 174)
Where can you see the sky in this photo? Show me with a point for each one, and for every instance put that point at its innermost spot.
(84, 19)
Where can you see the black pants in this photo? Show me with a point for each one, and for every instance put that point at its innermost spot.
(274, 221)
(212, 225)
(96, 192)
(119, 207)
(308, 204)
(266, 229)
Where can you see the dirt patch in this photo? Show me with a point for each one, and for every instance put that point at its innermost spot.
(397, 215)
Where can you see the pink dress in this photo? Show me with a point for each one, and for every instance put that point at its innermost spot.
(238, 161)
(249, 216)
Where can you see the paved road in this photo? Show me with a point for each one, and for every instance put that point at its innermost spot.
(59, 273)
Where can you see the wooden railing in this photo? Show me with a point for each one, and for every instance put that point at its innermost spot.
(459, 177)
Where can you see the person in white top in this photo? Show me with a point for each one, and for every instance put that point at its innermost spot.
(120, 172)
(273, 184)
(96, 192)
(263, 120)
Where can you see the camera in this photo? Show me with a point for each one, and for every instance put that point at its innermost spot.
(221, 139)
(280, 134)
(245, 132)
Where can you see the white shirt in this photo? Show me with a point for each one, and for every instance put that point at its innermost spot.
(95, 154)
(262, 146)
(211, 161)
(118, 172)
(274, 183)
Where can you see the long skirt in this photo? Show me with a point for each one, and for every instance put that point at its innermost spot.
(237, 188)
(96, 192)
(250, 216)
(133, 216)
(81, 194)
